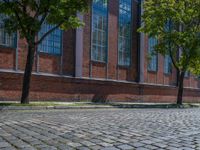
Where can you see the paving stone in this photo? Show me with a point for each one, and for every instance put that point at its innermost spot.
(96, 129)
(87, 143)
(108, 140)
(28, 148)
(65, 147)
(160, 145)
(125, 147)
(137, 144)
(96, 140)
(41, 146)
(122, 141)
(4, 144)
(96, 147)
(8, 148)
(186, 148)
(110, 148)
(105, 144)
(49, 148)
(176, 145)
(172, 148)
(82, 148)
(72, 144)
(143, 148)
(151, 147)
(147, 142)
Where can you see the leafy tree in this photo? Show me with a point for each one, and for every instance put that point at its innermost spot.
(27, 17)
(176, 25)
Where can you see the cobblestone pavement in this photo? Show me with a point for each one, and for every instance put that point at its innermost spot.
(107, 129)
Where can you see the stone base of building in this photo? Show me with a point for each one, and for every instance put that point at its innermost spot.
(45, 87)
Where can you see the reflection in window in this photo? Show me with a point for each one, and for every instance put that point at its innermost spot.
(52, 44)
(124, 37)
(8, 40)
(153, 62)
(99, 30)
(167, 64)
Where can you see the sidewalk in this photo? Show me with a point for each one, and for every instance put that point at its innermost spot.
(87, 105)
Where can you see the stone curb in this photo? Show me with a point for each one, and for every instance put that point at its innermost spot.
(51, 107)
(128, 106)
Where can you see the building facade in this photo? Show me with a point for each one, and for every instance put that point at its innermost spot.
(107, 59)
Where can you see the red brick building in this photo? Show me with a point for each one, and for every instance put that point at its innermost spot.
(107, 59)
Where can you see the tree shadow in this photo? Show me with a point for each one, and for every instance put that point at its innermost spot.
(100, 98)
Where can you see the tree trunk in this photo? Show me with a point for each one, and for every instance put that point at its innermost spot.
(180, 88)
(27, 74)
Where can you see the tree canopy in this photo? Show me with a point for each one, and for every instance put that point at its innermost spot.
(176, 25)
(27, 17)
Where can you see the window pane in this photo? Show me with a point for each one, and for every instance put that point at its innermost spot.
(52, 44)
(8, 40)
(153, 62)
(99, 30)
(187, 74)
(167, 60)
(167, 65)
(124, 37)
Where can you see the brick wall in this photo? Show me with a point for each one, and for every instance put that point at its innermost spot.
(112, 38)
(59, 88)
(49, 63)
(68, 58)
(111, 70)
(56, 87)
(86, 44)
(43, 62)
(159, 77)
(7, 58)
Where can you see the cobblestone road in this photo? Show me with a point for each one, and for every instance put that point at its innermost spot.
(109, 129)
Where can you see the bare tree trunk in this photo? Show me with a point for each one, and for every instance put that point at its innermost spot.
(180, 88)
(27, 75)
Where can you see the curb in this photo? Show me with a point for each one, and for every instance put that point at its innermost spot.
(125, 106)
(2, 108)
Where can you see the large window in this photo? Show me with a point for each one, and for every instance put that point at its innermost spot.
(167, 64)
(124, 37)
(99, 30)
(52, 44)
(153, 60)
(7, 40)
(167, 58)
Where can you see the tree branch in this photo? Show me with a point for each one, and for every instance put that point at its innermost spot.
(37, 11)
(173, 61)
(45, 14)
(47, 33)
(43, 18)
(17, 15)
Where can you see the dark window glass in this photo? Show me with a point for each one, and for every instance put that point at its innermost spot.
(99, 30)
(52, 44)
(124, 36)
